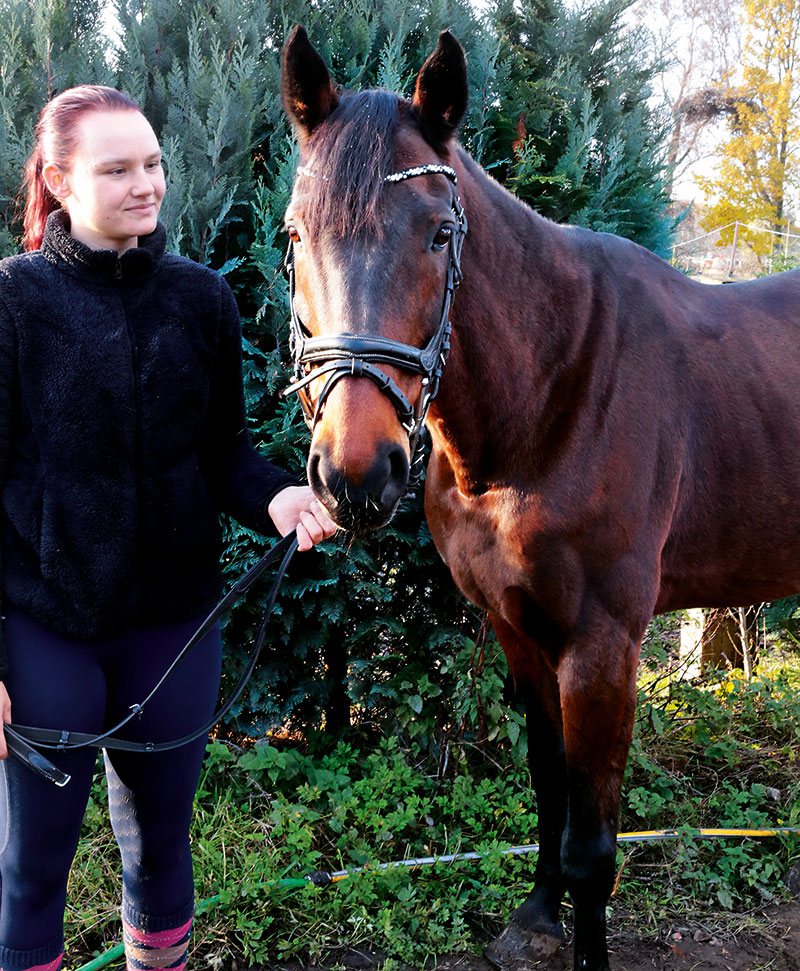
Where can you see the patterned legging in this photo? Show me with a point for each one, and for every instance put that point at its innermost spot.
(56, 682)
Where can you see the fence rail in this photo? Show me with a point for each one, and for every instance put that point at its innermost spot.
(703, 254)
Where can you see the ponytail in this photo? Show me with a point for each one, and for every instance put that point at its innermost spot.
(55, 142)
(39, 201)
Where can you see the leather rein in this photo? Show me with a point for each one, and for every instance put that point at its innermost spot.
(337, 356)
(25, 742)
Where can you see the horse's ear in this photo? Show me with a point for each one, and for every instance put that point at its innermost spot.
(308, 92)
(440, 98)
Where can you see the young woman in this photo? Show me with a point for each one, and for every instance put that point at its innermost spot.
(122, 437)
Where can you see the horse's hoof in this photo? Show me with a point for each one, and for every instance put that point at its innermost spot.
(521, 949)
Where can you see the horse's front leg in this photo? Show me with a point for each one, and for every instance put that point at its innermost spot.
(597, 680)
(534, 931)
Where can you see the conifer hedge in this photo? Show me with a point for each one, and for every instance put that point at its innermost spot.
(371, 635)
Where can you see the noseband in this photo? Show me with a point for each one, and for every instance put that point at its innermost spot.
(353, 355)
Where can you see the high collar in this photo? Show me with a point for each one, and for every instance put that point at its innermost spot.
(104, 266)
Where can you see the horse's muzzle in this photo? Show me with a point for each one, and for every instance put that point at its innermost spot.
(360, 502)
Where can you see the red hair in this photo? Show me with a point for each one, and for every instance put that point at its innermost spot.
(56, 135)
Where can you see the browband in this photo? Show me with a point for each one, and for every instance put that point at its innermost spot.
(431, 168)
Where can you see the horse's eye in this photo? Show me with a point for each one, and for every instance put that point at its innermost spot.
(294, 236)
(442, 237)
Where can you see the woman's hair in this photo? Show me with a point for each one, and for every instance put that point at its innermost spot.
(56, 135)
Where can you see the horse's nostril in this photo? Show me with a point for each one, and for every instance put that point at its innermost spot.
(397, 478)
(362, 502)
(323, 477)
(398, 463)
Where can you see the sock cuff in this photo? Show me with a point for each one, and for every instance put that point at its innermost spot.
(138, 921)
(37, 959)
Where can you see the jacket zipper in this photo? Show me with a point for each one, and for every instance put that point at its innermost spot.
(137, 440)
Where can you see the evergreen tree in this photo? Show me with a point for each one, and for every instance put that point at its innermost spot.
(370, 619)
(200, 74)
(47, 46)
(577, 138)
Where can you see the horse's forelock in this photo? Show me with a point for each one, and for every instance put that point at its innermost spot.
(350, 155)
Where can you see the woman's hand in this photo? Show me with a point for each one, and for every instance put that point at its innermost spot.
(296, 507)
(5, 719)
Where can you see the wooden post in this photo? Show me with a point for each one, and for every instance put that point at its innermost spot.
(733, 250)
(712, 638)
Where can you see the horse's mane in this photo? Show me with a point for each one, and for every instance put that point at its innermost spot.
(350, 155)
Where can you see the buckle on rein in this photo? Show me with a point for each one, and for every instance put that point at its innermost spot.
(351, 355)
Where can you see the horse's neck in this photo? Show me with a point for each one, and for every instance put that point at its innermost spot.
(517, 319)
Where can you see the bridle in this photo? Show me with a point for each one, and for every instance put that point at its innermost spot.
(354, 355)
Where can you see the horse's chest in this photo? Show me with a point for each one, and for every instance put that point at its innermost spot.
(507, 550)
(475, 537)
(466, 544)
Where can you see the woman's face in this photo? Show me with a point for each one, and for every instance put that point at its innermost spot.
(114, 187)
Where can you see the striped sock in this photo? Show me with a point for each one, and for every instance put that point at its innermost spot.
(147, 950)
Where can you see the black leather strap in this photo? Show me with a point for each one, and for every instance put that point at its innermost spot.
(371, 348)
(25, 740)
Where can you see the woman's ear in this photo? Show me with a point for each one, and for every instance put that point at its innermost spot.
(55, 180)
(308, 92)
(440, 98)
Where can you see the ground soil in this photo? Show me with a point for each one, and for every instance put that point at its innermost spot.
(772, 944)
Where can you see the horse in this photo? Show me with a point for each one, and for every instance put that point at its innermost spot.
(609, 439)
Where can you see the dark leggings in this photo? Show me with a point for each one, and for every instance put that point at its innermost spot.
(56, 682)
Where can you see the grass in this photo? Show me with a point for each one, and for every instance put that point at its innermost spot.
(708, 753)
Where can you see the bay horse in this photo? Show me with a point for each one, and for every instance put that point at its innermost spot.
(609, 439)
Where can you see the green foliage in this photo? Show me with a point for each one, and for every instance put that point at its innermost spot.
(268, 814)
(372, 633)
(199, 74)
(706, 754)
(575, 134)
(783, 618)
(720, 752)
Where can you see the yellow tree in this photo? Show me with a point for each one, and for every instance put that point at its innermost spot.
(760, 164)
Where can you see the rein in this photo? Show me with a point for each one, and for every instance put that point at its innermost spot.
(337, 356)
(25, 742)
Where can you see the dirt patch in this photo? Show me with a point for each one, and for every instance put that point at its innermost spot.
(773, 946)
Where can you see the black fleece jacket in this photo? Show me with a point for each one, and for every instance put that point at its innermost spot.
(122, 435)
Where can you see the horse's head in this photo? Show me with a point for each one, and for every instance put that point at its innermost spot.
(376, 229)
